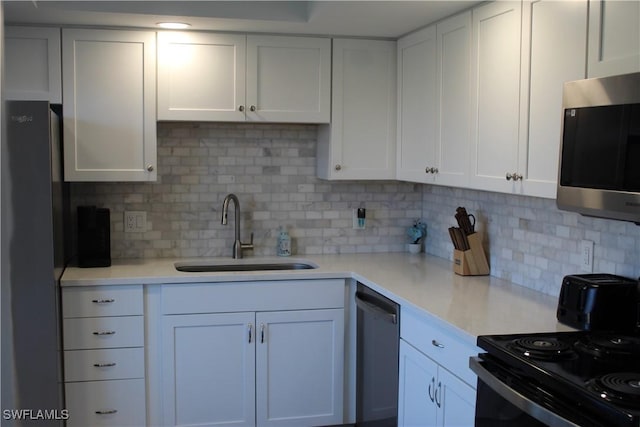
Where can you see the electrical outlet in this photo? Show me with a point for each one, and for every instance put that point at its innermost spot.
(135, 221)
(586, 256)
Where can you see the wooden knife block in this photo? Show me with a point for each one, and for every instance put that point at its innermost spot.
(472, 262)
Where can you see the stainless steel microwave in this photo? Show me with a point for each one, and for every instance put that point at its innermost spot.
(599, 173)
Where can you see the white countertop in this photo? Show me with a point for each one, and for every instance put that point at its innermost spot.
(470, 305)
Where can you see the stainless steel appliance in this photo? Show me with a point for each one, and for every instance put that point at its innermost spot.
(600, 145)
(566, 379)
(378, 341)
(33, 219)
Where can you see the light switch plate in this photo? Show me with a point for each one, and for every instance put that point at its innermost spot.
(586, 256)
(135, 221)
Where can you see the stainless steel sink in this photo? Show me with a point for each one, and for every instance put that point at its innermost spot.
(216, 266)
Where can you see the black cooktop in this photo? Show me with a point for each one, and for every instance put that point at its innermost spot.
(597, 372)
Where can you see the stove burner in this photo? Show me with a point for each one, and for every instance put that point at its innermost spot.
(541, 348)
(610, 347)
(620, 387)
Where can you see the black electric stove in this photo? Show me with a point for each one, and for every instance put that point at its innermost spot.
(588, 379)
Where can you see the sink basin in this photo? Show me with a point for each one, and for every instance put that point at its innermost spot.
(224, 266)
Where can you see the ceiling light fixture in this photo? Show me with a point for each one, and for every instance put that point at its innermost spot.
(173, 25)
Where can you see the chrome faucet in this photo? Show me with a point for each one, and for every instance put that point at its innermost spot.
(238, 246)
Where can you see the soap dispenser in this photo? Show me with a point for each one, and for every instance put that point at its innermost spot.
(284, 243)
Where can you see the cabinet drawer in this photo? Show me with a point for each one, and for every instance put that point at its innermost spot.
(102, 301)
(427, 335)
(106, 403)
(103, 332)
(192, 298)
(107, 364)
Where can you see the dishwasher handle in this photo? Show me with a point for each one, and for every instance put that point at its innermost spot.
(368, 304)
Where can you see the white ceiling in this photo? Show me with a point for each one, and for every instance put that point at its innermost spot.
(384, 19)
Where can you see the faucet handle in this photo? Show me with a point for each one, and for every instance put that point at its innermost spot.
(247, 245)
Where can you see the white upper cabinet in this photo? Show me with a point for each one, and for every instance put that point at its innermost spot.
(417, 114)
(360, 143)
(109, 110)
(495, 95)
(228, 77)
(614, 37)
(453, 109)
(433, 94)
(201, 76)
(288, 79)
(517, 91)
(554, 47)
(32, 69)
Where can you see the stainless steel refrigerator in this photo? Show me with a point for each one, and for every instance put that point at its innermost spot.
(34, 220)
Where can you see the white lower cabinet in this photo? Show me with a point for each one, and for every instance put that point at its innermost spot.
(104, 360)
(277, 367)
(118, 403)
(436, 384)
(430, 395)
(209, 369)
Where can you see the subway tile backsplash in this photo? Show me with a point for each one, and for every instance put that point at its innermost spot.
(529, 241)
(271, 168)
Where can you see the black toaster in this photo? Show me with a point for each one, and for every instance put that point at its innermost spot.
(599, 302)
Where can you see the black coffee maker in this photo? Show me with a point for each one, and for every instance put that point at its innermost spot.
(94, 237)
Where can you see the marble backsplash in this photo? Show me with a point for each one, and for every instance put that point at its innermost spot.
(271, 168)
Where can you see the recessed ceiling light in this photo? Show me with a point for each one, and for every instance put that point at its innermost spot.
(173, 25)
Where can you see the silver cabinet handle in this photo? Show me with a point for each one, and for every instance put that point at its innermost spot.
(250, 332)
(241, 108)
(431, 389)
(514, 176)
(150, 168)
(106, 411)
(104, 332)
(431, 170)
(338, 167)
(252, 108)
(437, 344)
(104, 365)
(262, 333)
(438, 395)
(103, 301)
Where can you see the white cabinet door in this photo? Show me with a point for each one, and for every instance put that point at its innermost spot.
(360, 143)
(417, 106)
(614, 37)
(430, 395)
(458, 403)
(453, 109)
(416, 399)
(288, 79)
(299, 367)
(495, 95)
(109, 88)
(554, 51)
(201, 76)
(32, 69)
(209, 369)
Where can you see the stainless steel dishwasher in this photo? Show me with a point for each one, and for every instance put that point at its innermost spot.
(378, 339)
